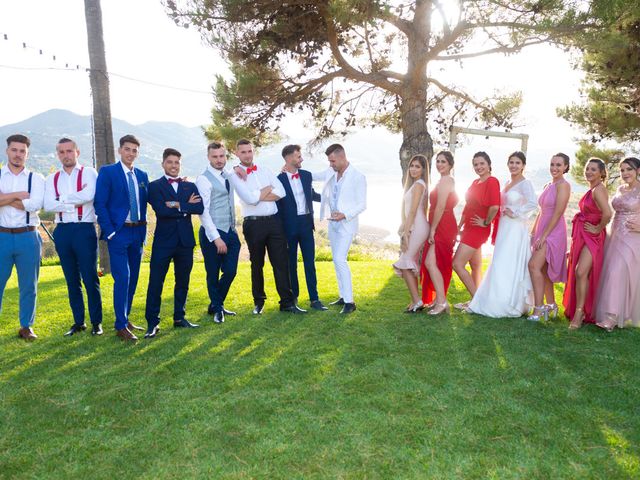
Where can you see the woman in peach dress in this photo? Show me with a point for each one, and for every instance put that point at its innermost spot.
(414, 228)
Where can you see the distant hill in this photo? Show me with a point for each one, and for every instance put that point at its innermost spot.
(46, 128)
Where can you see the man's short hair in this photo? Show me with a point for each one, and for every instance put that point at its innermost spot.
(68, 140)
(170, 151)
(18, 138)
(289, 149)
(129, 139)
(242, 141)
(214, 146)
(335, 148)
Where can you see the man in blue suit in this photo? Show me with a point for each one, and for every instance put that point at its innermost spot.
(121, 206)
(174, 201)
(296, 211)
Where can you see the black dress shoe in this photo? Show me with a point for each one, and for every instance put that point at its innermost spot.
(259, 307)
(228, 312)
(184, 324)
(318, 305)
(292, 309)
(75, 328)
(131, 327)
(218, 317)
(97, 329)
(348, 308)
(339, 301)
(152, 331)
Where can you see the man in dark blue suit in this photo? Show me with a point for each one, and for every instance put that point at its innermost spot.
(174, 201)
(296, 211)
(121, 206)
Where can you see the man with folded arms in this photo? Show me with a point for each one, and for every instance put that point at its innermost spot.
(263, 229)
(21, 196)
(121, 207)
(69, 192)
(174, 200)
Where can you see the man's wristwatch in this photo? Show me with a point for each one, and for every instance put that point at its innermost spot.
(173, 204)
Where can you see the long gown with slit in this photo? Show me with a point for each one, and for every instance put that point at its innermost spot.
(580, 238)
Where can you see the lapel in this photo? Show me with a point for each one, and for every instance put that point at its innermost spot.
(306, 188)
(168, 188)
(284, 178)
(124, 183)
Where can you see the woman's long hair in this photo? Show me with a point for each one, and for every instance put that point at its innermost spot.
(409, 181)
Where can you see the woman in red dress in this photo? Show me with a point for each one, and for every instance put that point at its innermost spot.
(587, 247)
(437, 256)
(481, 210)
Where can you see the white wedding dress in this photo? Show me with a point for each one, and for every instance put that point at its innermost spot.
(506, 289)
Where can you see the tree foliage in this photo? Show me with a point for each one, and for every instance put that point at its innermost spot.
(367, 62)
(611, 63)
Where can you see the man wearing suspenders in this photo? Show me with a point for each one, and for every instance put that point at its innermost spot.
(21, 196)
(69, 192)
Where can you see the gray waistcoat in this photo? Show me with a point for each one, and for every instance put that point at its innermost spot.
(221, 205)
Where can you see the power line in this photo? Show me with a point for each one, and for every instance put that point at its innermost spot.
(79, 67)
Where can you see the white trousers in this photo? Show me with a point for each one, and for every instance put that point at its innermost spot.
(340, 243)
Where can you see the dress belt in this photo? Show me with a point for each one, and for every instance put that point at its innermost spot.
(135, 224)
(18, 230)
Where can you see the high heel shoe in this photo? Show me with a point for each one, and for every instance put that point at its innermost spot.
(416, 307)
(440, 308)
(576, 321)
(462, 306)
(539, 313)
(552, 310)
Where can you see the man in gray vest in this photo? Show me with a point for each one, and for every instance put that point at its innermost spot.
(218, 237)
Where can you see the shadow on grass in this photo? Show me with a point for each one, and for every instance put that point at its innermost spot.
(377, 394)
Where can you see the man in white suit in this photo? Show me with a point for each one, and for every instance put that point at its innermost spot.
(344, 197)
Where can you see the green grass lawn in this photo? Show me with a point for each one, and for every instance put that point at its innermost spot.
(378, 394)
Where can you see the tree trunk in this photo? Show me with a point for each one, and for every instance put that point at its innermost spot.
(415, 137)
(99, 79)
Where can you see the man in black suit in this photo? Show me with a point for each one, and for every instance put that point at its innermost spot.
(296, 211)
(174, 200)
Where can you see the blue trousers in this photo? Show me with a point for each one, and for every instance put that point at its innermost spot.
(24, 251)
(125, 254)
(159, 266)
(302, 234)
(214, 263)
(77, 247)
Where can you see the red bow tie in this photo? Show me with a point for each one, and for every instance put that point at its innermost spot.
(295, 175)
(251, 169)
(174, 180)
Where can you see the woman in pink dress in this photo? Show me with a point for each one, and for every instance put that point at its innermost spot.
(437, 256)
(414, 228)
(548, 264)
(618, 300)
(587, 247)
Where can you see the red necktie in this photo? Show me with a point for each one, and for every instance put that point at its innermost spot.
(174, 180)
(295, 175)
(251, 169)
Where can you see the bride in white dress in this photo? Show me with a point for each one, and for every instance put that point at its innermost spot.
(506, 290)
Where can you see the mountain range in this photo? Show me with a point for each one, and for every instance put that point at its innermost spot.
(45, 129)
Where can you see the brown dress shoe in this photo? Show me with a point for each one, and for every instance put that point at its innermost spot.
(126, 335)
(132, 327)
(27, 334)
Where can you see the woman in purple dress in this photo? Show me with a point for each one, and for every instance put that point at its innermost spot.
(618, 299)
(548, 264)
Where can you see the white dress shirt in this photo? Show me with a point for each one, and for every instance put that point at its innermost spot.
(249, 191)
(298, 193)
(69, 196)
(204, 187)
(135, 183)
(11, 217)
